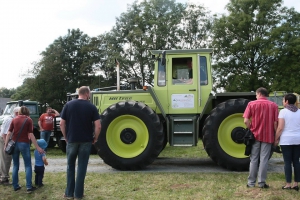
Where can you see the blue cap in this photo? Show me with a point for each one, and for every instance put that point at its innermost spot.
(42, 143)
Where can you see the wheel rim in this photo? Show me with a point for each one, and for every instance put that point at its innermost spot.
(127, 136)
(229, 135)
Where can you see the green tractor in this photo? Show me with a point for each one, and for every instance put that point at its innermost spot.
(180, 109)
(35, 111)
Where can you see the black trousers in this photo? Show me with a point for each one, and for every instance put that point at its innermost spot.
(39, 174)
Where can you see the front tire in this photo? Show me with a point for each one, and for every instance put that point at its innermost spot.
(224, 130)
(131, 137)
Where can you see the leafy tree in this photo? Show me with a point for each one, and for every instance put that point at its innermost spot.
(6, 93)
(65, 65)
(152, 24)
(196, 27)
(105, 49)
(245, 45)
(284, 72)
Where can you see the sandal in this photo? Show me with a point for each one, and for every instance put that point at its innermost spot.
(295, 188)
(286, 188)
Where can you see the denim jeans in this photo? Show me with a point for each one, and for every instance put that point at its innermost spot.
(24, 149)
(291, 154)
(39, 175)
(46, 136)
(82, 151)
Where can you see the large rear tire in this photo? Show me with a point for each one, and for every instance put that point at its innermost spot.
(131, 137)
(224, 130)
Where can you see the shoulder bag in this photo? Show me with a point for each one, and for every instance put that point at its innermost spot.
(11, 144)
(249, 140)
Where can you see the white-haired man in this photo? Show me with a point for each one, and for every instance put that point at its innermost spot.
(5, 159)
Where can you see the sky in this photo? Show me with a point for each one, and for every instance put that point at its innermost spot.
(29, 27)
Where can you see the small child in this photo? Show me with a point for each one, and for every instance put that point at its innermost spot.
(40, 161)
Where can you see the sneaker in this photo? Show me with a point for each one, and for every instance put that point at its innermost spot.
(250, 186)
(31, 189)
(18, 188)
(264, 186)
(79, 198)
(41, 185)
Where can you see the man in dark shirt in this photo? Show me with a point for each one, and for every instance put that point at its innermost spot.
(79, 119)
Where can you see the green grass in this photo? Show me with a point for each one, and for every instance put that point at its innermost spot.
(152, 185)
(140, 185)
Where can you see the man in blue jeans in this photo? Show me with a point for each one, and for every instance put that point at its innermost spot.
(79, 120)
(46, 123)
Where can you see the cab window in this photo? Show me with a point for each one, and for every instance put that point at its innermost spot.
(182, 71)
(203, 70)
(161, 80)
(32, 109)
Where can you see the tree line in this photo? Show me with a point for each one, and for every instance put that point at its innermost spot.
(256, 43)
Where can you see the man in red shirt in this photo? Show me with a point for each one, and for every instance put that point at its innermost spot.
(46, 123)
(261, 117)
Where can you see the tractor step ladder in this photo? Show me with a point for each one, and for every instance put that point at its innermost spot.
(183, 131)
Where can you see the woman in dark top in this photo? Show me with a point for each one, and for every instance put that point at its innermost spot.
(22, 146)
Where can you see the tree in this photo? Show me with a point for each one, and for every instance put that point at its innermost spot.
(152, 24)
(65, 65)
(196, 27)
(6, 93)
(106, 50)
(284, 73)
(24, 92)
(245, 44)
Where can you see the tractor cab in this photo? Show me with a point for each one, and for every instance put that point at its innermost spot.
(183, 79)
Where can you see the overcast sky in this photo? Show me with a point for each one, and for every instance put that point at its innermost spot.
(28, 27)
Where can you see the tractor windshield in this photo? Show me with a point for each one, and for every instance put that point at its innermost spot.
(9, 108)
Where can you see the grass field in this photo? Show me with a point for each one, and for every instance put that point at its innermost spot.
(148, 185)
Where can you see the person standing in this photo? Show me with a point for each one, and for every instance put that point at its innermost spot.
(288, 137)
(46, 123)
(40, 162)
(79, 120)
(5, 159)
(22, 146)
(261, 117)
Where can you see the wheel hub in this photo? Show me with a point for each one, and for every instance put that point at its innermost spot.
(238, 135)
(128, 136)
